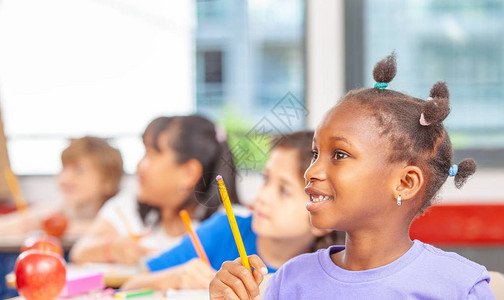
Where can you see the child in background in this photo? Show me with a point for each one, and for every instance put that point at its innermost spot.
(91, 174)
(379, 159)
(278, 230)
(183, 154)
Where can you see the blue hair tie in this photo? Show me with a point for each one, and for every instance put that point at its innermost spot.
(380, 85)
(453, 170)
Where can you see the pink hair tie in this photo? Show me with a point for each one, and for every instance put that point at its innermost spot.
(423, 122)
(220, 134)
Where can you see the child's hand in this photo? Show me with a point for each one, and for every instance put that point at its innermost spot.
(127, 251)
(194, 274)
(234, 281)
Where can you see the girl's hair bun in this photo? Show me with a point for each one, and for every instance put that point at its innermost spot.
(439, 90)
(385, 70)
(466, 168)
(437, 108)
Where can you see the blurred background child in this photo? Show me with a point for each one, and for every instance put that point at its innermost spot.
(91, 174)
(277, 230)
(183, 154)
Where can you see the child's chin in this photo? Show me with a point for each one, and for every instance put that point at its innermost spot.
(260, 228)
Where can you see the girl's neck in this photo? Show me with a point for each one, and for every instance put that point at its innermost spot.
(275, 252)
(364, 251)
(172, 223)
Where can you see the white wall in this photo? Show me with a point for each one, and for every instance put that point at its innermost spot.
(105, 68)
(325, 57)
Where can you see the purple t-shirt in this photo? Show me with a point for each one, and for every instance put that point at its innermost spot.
(423, 272)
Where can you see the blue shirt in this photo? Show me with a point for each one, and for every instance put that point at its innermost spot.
(216, 238)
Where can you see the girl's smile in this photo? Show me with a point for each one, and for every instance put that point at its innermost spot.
(317, 198)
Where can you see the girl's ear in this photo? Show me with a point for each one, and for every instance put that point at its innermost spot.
(410, 182)
(192, 172)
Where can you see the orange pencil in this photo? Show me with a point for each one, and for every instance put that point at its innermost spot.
(131, 233)
(232, 222)
(15, 190)
(184, 215)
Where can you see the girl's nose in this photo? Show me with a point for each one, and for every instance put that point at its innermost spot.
(63, 175)
(140, 165)
(263, 194)
(315, 171)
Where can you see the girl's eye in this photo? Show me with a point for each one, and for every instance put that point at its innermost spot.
(314, 155)
(284, 191)
(265, 178)
(339, 155)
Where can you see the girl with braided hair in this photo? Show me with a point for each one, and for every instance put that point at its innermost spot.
(379, 159)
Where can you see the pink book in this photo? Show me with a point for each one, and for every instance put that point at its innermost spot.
(81, 282)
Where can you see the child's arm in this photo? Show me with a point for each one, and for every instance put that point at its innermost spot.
(102, 243)
(234, 281)
(22, 223)
(195, 274)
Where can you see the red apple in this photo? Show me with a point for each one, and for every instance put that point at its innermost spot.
(55, 224)
(43, 243)
(40, 275)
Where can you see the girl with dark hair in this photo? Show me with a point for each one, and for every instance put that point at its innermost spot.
(379, 159)
(277, 230)
(183, 154)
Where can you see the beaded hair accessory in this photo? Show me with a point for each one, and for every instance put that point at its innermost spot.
(220, 134)
(423, 122)
(453, 170)
(380, 85)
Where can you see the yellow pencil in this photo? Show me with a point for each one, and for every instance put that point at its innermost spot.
(15, 190)
(232, 222)
(184, 215)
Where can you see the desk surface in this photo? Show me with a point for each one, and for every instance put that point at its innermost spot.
(171, 294)
(13, 243)
(114, 275)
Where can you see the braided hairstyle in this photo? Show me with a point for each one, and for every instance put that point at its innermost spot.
(414, 128)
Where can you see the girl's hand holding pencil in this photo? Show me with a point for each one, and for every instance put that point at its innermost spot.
(234, 281)
(125, 249)
(241, 277)
(194, 274)
(232, 222)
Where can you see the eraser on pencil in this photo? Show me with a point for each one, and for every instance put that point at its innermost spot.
(82, 281)
(218, 178)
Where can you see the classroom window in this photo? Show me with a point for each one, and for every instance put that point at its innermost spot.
(460, 42)
(250, 70)
(209, 82)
